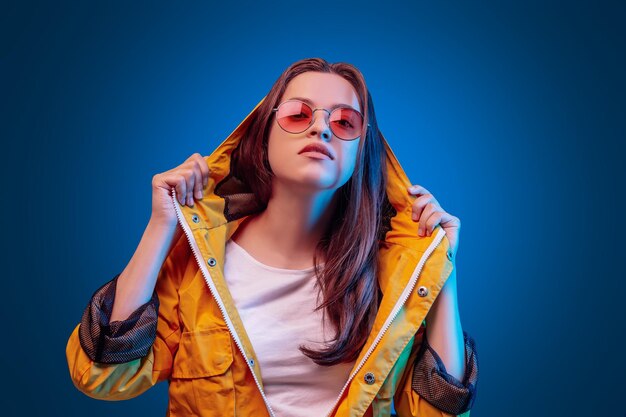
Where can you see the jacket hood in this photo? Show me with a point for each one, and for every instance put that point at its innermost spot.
(227, 201)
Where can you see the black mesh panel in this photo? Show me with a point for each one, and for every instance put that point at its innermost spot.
(442, 390)
(122, 340)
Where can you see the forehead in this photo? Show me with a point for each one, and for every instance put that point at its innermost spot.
(323, 89)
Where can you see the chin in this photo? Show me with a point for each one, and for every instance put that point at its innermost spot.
(313, 183)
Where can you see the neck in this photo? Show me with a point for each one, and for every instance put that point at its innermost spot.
(295, 220)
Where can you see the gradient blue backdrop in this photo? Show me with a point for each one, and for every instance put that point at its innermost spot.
(511, 114)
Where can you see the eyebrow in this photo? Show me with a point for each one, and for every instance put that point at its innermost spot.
(308, 101)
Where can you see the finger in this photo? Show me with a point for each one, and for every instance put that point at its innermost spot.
(181, 187)
(185, 176)
(419, 204)
(450, 220)
(433, 221)
(204, 168)
(198, 182)
(417, 189)
(190, 178)
(429, 209)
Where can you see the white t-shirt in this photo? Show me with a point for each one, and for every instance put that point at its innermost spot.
(276, 306)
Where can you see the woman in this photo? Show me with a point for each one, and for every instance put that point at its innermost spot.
(289, 273)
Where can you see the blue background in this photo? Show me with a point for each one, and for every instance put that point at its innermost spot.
(511, 114)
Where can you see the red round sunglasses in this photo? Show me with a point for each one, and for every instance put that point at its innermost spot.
(295, 116)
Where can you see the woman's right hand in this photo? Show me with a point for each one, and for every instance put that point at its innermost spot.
(189, 178)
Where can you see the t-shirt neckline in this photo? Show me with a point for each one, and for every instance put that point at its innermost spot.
(269, 267)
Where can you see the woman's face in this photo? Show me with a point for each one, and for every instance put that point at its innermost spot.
(307, 170)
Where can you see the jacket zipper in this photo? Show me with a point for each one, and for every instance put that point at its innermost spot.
(220, 304)
(394, 312)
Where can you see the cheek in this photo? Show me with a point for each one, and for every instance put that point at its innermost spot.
(348, 162)
(279, 152)
(349, 158)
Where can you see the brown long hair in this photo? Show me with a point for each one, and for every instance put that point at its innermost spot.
(348, 281)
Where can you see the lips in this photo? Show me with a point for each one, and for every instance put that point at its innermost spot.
(315, 147)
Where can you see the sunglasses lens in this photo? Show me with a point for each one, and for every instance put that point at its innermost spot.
(294, 116)
(346, 123)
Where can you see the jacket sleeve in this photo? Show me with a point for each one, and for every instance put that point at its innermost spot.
(122, 359)
(428, 390)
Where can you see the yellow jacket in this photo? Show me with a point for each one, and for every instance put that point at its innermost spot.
(201, 347)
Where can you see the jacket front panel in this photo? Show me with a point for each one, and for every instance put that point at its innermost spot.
(201, 345)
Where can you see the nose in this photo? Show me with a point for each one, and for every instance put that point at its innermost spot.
(319, 124)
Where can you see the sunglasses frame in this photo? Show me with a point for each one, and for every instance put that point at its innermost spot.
(275, 110)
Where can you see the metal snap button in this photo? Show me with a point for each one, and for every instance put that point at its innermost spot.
(195, 218)
(449, 254)
(212, 261)
(369, 378)
(422, 291)
(251, 362)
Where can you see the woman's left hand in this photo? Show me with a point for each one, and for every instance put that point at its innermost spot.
(428, 212)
